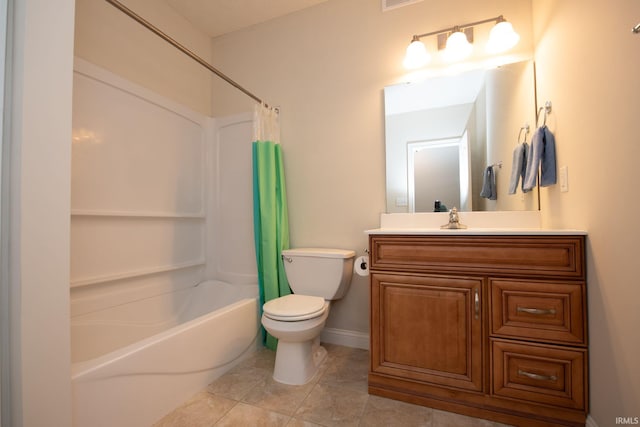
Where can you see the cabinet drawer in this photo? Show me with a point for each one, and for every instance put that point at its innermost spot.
(516, 256)
(544, 374)
(543, 311)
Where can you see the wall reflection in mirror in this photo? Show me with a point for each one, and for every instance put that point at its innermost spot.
(442, 134)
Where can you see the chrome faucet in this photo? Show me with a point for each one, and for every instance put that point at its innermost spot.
(454, 220)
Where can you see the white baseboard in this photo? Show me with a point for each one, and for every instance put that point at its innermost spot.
(346, 338)
(590, 422)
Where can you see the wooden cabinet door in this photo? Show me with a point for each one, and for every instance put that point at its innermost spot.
(427, 328)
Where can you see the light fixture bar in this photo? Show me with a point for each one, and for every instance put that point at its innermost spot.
(457, 42)
(450, 29)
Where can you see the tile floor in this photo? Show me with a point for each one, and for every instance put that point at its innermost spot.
(337, 396)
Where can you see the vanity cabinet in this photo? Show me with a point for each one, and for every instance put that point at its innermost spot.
(492, 326)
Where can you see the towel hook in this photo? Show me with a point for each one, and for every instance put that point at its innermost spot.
(547, 110)
(524, 128)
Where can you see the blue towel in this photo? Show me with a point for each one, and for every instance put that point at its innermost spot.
(542, 153)
(548, 164)
(518, 167)
(489, 184)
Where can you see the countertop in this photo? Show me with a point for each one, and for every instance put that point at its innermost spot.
(515, 223)
(478, 231)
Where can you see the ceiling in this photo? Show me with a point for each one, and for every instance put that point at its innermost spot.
(437, 92)
(218, 17)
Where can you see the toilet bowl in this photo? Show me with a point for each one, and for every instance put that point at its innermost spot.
(316, 276)
(299, 352)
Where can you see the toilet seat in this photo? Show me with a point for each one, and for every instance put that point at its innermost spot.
(294, 307)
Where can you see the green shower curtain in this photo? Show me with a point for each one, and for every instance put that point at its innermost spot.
(271, 223)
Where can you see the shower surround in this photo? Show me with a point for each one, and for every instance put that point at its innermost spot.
(157, 266)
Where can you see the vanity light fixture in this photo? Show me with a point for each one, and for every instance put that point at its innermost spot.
(459, 39)
(502, 37)
(417, 55)
(458, 46)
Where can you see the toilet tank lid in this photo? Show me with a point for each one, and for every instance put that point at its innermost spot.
(319, 252)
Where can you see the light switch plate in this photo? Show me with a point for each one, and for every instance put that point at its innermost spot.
(564, 179)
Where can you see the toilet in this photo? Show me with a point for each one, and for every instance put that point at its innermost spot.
(316, 276)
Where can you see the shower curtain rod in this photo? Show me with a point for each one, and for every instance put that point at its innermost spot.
(174, 43)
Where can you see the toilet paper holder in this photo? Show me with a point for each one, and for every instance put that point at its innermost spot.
(361, 264)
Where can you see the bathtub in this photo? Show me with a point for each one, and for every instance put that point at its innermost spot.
(136, 362)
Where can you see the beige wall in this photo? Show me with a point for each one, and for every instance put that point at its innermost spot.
(106, 37)
(326, 68)
(588, 65)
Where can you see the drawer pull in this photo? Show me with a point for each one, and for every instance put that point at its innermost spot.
(476, 299)
(536, 376)
(536, 310)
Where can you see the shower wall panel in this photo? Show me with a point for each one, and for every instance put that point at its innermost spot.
(232, 257)
(138, 192)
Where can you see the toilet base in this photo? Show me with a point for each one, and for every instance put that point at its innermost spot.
(298, 362)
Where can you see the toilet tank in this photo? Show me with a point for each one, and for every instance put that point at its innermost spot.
(319, 272)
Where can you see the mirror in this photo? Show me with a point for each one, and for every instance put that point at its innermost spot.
(443, 133)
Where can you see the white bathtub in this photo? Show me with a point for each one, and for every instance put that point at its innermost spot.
(170, 347)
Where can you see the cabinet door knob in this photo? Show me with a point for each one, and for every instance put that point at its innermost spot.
(538, 311)
(537, 376)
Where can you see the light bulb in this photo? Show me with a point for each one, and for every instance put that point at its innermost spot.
(458, 47)
(416, 56)
(502, 38)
